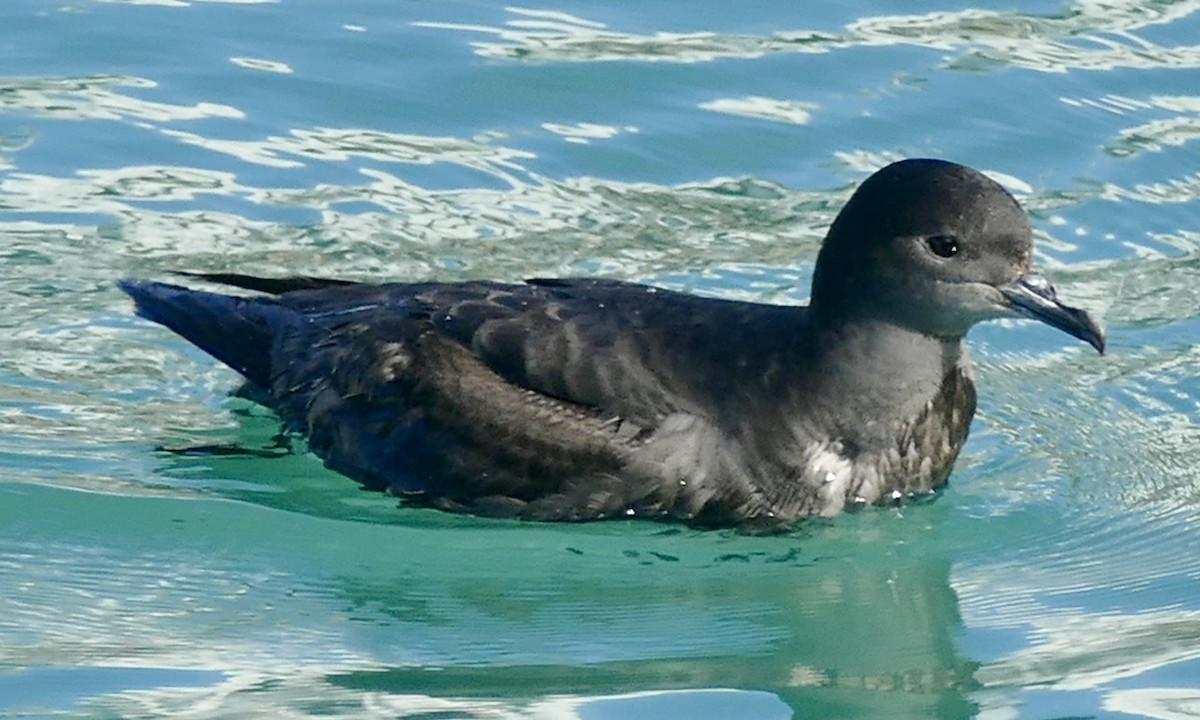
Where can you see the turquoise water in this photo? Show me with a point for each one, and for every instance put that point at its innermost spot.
(698, 145)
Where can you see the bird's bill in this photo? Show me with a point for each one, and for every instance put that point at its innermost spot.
(1032, 296)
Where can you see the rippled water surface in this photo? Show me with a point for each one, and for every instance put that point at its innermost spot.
(701, 145)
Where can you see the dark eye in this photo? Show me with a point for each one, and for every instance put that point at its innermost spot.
(943, 245)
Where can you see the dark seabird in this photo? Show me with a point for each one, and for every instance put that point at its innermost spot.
(582, 399)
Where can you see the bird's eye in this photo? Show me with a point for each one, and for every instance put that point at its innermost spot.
(943, 245)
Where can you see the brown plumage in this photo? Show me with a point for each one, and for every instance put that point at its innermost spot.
(587, 399)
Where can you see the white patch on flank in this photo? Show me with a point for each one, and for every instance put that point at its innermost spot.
(835, 472)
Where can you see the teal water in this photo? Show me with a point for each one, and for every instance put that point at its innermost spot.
(698, 145)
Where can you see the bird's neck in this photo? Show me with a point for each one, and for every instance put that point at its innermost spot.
(875, 375)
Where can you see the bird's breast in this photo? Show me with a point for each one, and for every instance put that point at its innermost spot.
(886, 458)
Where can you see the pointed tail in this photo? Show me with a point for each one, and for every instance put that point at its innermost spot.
(238, 331)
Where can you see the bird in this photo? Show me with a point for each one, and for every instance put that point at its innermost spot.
(574, 399)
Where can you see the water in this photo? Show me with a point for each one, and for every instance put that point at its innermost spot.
(699, 145)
